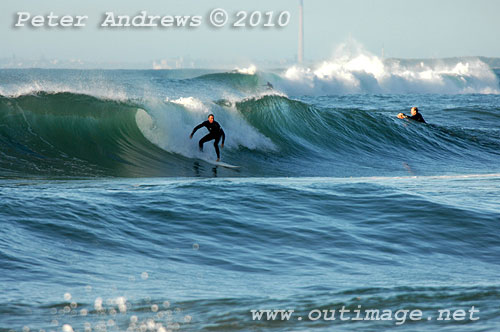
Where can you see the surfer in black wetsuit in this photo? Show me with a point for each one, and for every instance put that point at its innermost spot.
(215, 132)
(415, 115)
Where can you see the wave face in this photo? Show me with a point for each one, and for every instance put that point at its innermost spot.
(137, 124)
(70, 134)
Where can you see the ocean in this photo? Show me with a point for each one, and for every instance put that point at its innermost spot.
(112, 220)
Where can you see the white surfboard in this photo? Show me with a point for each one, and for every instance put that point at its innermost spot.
(221, 163)
(205, 157)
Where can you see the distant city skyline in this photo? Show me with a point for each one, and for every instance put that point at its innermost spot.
(160, 63)
(399, 28)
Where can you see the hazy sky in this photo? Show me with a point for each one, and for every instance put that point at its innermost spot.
(409, 29)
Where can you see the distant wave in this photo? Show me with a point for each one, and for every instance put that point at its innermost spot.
(367, 74)
(370, 74)
(352, 69)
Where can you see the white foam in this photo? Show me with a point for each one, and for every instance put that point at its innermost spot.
(98, 89)
(168, 125)
(251, 70)
(190, 103)
(358, 71)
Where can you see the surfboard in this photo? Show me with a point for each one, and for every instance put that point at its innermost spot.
(204, 157)
(223, 164)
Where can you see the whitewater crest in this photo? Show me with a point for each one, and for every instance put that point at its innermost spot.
(190, 103)
(35, 85)
(250, 70)
(362, 72)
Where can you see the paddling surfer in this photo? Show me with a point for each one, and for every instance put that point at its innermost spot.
(415, 115)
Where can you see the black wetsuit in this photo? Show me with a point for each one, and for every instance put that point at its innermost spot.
(417, 117)
(215, 132)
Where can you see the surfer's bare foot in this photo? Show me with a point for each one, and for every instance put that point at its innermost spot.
(218, 159)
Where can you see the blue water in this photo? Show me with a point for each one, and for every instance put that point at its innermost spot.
(113, 221)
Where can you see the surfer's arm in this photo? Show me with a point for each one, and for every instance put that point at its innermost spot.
(223, 136)
(196, 128)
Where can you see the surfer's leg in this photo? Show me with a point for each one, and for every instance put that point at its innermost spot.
(216, 146)
(205, 138)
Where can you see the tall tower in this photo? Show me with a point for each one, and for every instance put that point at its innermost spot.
(300, 54)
